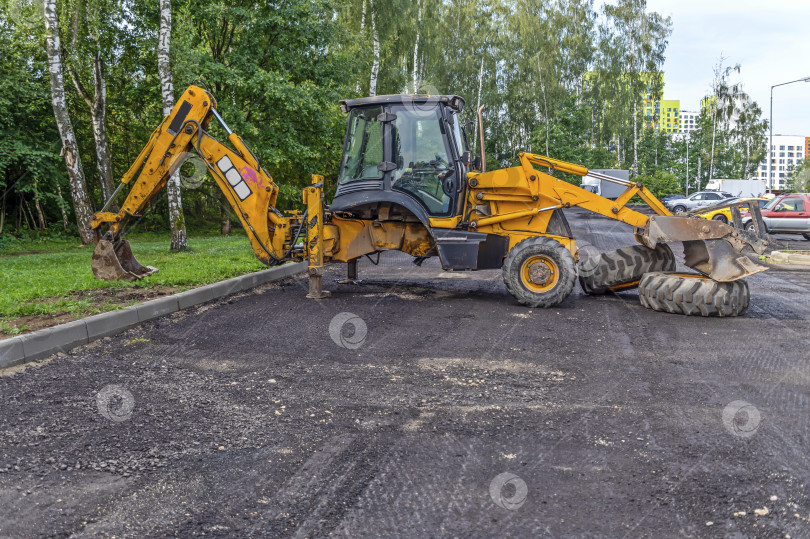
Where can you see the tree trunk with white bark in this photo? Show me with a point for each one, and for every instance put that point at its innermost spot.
(98, 116)
(78, 187)
(416, 52)
(375, 64)
(362, 27)
(176, 218)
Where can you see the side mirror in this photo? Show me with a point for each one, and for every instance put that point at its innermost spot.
(465, 158)
(476, 163)
(779, 207)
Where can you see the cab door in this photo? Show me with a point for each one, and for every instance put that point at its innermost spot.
(425, 160)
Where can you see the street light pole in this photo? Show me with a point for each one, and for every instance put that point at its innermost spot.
(770, 126)
(687, 165)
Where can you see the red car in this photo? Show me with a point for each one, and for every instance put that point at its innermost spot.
(785, 214)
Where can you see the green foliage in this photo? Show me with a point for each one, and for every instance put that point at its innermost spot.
(29, 143)
(569, 138)
(556, 77)
(278, 72)
(799, 181)
(661, 183)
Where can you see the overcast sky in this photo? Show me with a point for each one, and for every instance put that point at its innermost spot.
(769, 39)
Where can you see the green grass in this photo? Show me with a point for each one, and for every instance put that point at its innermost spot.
(42, 284)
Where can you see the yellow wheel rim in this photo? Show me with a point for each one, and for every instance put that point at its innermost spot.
(539, 273)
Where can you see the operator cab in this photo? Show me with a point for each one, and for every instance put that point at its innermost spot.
(405, 150)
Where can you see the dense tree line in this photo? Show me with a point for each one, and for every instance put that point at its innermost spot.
(557, 77)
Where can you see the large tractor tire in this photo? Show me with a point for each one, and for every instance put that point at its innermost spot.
(623, 268)
(539, 272)
(693, 294)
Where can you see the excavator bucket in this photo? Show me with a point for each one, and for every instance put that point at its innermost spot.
(711, 247)
(114, 261)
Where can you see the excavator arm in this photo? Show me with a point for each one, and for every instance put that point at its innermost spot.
(249, 190)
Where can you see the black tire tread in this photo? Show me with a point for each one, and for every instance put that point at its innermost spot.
(624, 266)
(548, 247)
(693, 295)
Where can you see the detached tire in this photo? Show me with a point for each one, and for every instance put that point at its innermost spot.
(539, 272)
(623, 268)
(693, 294)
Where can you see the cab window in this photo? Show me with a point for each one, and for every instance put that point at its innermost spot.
(364, 147)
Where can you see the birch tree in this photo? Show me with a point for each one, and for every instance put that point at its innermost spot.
(416, 50)
(640, 38)
(375, 64)
(91, 40)
(362, 34)
(97, 104)
(176, 219)
(78, 187)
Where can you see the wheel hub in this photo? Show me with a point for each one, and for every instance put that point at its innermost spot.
(540, 273)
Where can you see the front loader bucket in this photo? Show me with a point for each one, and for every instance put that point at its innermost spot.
(710, 247)
(114, 261)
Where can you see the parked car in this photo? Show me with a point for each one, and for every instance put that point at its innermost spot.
(785, 214)
(696, 200)
(724, 215)
(669, 198)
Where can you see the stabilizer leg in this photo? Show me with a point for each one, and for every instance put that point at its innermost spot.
(313, 198)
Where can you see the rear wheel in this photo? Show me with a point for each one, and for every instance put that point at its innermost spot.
(539, 272)
(750, 226)
(693, 294)
(623, 268)
(720, 217)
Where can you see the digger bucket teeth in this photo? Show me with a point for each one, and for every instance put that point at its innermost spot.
(114, 261)
(710, 247)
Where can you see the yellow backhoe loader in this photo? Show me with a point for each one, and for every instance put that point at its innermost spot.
(407, 182)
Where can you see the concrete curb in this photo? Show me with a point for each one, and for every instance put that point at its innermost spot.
(49, 341)
(800, 258)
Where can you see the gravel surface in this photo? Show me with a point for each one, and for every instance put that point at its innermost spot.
(420, 403)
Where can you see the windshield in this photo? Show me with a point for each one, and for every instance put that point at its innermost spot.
(364, 148)
(768, 205)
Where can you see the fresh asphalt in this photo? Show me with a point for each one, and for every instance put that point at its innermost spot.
(418, 403)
